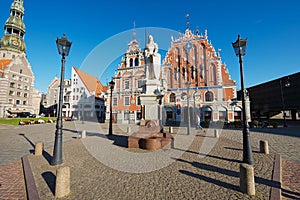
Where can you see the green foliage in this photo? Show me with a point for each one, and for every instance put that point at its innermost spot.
(16, 121)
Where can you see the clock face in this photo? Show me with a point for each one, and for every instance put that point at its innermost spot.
(15, 42)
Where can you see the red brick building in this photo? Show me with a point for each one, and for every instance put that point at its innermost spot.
(192, 60)
(129, 80)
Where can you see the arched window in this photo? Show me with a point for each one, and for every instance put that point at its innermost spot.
(172, 97)
(171, 78)
(131, 62)
(209, 96)
(212, 75)
(136, 62)
(192, 72)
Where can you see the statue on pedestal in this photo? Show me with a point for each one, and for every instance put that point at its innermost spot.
(152, 60)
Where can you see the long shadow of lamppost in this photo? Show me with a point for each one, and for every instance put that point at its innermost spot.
(240, 50)
(63, 46)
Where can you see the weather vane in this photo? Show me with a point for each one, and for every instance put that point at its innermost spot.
(134, 32)
(187, 16)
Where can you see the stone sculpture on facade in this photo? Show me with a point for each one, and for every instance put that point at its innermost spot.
(152, 60)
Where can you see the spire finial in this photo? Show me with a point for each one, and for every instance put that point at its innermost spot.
(187, 17)
(134, 32)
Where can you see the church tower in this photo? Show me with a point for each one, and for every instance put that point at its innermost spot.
(14, 31)
(17, 92)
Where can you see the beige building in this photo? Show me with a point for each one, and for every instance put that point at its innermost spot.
(17, 93)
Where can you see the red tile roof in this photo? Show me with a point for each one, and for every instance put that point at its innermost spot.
(92, 83)
(3, 65)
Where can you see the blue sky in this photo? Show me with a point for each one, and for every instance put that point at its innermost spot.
(272, 29)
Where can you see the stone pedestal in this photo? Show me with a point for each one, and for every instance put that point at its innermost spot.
(38, 148)
(247, 184)
(62, 183)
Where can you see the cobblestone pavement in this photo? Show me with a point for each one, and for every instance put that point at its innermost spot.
(215, 176)
(284, 141)
(17, 141)
(12, 185)
(290, 180)
(191, 177)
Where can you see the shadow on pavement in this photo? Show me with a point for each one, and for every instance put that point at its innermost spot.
(211, 180)
(49, 178)
(46, 155)
(211, 156)
(26, 138)
(227, 172)
(119, 140)
(289, 194)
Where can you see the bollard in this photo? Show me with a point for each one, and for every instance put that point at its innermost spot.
(128, 130)
(247, 184)
(170, 129)
(216, 133)
(62, 183)
(83, 134)
(38, 148)
(263, 146)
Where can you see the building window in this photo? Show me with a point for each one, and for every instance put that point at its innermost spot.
(17, 101)
(140, 83)
(14, 77)
(126, 101)
(24, 102)
(25, 95)
(18, 94)
(138, 100)
(20, 78)
(136, 62)
(73, 97)
(131, 62)
(115, 101)
(126, 115)
(209, 96)
(21, 71)
(10, 101)
(19, 86)
(172, 97)
(126, 83)
(11, 93)
(3, 55)
(138, 114)
(12, 85)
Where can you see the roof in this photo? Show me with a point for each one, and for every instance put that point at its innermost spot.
(92, 83)
(3, 65)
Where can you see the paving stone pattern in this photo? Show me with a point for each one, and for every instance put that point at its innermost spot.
(290, 180)
(12, 185)
(190, 177)
(215, 176)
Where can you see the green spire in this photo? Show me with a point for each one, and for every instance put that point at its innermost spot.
(14, 29)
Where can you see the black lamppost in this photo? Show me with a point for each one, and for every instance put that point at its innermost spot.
(240, 50)
(63, 46)
(111, 86)
(188, 107)
(287, 84)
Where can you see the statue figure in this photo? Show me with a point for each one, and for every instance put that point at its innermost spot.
(152, 60)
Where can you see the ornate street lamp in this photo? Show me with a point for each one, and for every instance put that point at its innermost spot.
(239, 47)
(111, 86)
(63, 46)
(188, 108)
